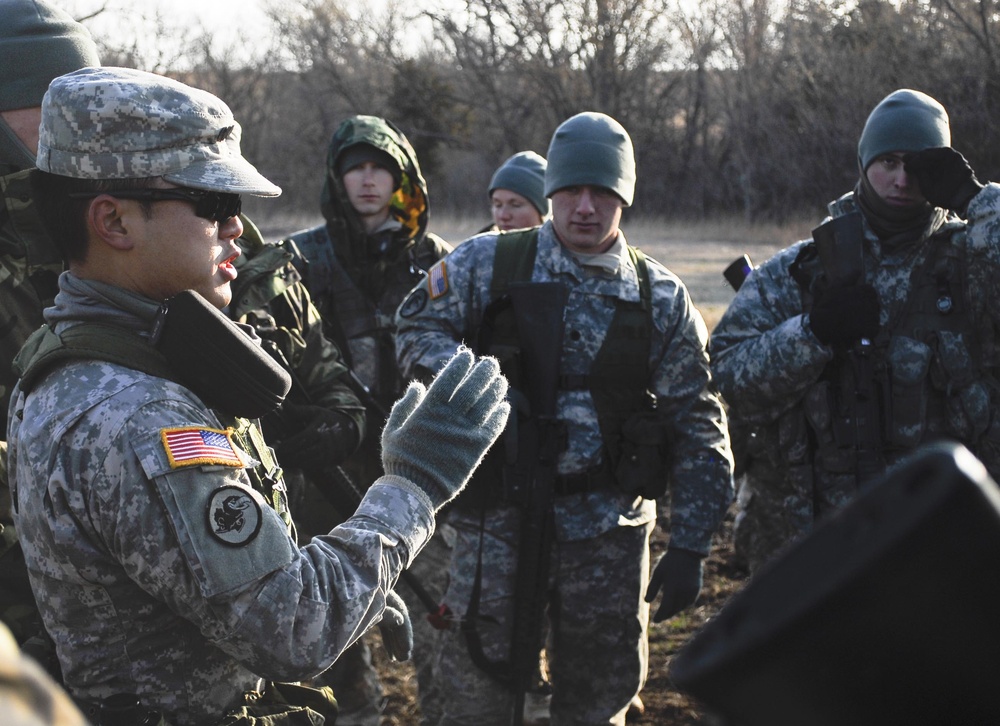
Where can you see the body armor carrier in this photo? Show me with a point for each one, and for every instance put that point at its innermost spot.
(617, 381)
(363, 329)
(925, 374)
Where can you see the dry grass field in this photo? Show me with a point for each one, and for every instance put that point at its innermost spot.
(697, 253)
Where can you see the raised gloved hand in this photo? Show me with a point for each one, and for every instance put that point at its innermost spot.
(945, 178)
(319, 437)
(679, 574)
(436, 437)
(396, 628)
(844, 314)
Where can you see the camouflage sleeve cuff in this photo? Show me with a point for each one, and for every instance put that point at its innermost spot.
(983, 209)
(401, 506)
(691, 538)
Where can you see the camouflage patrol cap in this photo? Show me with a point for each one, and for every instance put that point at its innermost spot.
(117, 123)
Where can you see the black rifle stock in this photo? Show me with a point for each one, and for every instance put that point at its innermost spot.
(840, 244)
(737, 271)
(538, 310)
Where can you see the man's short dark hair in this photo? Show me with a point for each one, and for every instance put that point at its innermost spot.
(64, 217)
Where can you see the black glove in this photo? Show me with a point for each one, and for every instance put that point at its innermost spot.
(844, 314)
(945, 178)
(396, 628)
(679, 573)
(317, 437)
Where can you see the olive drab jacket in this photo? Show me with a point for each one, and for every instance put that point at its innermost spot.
(29, 268)
(268, 296)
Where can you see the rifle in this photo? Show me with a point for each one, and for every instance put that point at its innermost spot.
(839, 242)
(538, 310)
(738, 270)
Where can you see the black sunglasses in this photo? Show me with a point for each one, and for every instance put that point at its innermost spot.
(218, 206)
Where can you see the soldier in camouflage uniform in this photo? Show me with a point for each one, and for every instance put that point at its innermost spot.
(837, 380)
(599, 583)
(154, 526)
(517, 193)
(371, 250)
(37, 43)
(373, 247)
(313, 431)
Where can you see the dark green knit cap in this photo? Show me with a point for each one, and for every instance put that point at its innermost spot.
(591, 149)
(904, 120)
(38, 42)
(524, 174)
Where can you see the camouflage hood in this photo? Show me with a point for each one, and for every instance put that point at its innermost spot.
(409, 204)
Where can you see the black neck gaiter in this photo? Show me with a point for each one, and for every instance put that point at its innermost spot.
(893, 225)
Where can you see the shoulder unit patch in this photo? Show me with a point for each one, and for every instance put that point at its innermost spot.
(415, 302)
(234, 517)
(195, 445)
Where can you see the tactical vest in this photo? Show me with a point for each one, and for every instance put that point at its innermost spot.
(92, 341)
(617, 381)
(926, 370)
(363, 329)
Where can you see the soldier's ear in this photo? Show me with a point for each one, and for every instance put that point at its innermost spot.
(106, 221)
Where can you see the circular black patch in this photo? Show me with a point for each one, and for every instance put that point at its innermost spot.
(234, 517)
(412, 305)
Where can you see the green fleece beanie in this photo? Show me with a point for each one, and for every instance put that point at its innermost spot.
(524, 174)
(591, 149)
(38, 42)
(904, 120)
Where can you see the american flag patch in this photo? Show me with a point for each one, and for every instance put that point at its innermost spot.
(195, 445)
(437, 280)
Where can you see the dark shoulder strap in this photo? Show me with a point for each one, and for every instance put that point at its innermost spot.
(642, 272)
(514, 259)
(87, 341)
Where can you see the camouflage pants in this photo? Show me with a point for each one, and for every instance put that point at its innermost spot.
(597, 619)
(777, 506)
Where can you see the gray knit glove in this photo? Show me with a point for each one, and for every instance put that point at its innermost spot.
(396, 628)
(436, 437)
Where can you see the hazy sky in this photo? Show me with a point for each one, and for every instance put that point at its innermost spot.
(120, 15)
(232, 21)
